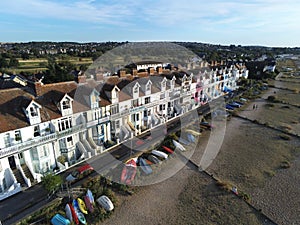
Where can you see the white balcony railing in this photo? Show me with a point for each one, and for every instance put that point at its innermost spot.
(75, 129)
(39, 141)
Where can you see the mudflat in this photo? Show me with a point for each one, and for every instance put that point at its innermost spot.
(259, 155)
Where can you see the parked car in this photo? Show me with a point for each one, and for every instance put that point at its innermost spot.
(80, 172)
(105, 203)
(229, 107)
(235, 105)
(240, 103)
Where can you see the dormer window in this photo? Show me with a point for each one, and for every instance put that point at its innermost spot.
(115, 95)
(94, 98)
(163, 85)
(172, 82)
(66, 104)
(136, 90)
(148, 87)
(33, 112)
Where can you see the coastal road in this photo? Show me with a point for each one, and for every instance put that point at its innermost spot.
(32, 199)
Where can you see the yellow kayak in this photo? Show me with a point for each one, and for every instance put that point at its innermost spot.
(82, 206)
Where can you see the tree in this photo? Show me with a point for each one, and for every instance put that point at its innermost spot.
(3, 62)
(13, 63)
(51, 182)
(24, 55)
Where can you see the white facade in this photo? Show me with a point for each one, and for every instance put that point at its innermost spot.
(58, 143)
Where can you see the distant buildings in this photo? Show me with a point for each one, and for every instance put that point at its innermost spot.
(48, 128)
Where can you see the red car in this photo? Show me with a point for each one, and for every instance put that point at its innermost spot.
(81, 171)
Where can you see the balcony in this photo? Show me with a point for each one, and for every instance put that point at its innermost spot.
(72, 130)
(97, 121)
(39, 141)
(120, 114)
(27, 144)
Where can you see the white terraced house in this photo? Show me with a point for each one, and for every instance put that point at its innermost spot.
(48, 128)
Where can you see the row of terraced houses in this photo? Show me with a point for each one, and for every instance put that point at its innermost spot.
(50, 127)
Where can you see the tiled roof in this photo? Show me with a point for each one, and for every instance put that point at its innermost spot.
(64, 87)
(12, 102)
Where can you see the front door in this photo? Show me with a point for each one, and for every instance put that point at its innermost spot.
(12, 162)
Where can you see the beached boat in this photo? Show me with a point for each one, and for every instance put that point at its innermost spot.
(88, 204)
(74, 215)
(145, 166)
(129, 171)
(68, 212)
(183, 141)
(79, 214)
(206, 124)
(82, 206)
(90, 195)
(60, 220)
(178, 145)
(193, 132)
(191, 138)
(105, 202)
(159, 154)
(153, 159)
(149, 162)
(168, 150)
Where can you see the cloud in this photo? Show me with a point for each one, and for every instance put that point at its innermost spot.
(86, 11)
(160, 19)
(161, 13)
(237, 14)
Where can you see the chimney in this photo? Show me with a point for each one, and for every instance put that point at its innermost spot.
(159, 70)
(99, 77)
(122, 73)
(142, 74)
(151, 71)
(38, 88)
(134, 72)
(81, 79)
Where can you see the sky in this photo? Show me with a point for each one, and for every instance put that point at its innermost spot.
(273, 23)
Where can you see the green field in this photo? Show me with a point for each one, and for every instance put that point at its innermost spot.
(40, 64)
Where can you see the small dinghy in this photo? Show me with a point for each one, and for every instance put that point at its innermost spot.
(159, 154)
(59, 220)
(178, 146)
(168, 150)
(193, 132)
(129, 172)
(90, 195)
(191, 138)
(153, 159)
(79, 214)
(88, 204)
(183, 141)
(145, 166)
